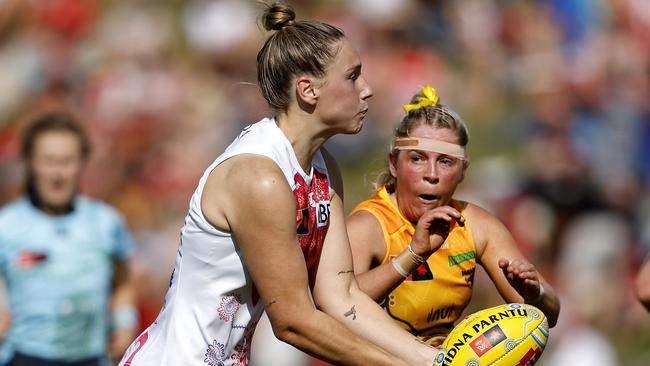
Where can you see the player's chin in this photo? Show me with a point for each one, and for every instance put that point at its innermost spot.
(357, 126)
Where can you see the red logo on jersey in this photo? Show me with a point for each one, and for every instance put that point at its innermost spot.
(312, 216)
(27, 260)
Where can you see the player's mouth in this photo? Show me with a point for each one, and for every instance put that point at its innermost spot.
(428, 198)
(363, 112)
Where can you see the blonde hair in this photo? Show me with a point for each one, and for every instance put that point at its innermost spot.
(437, 116)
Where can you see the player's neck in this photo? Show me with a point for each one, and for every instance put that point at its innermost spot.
(304, 136)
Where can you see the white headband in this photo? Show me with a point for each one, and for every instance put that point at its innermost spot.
(418, 143)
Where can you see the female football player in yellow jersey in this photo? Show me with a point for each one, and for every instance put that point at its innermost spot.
(416, 248)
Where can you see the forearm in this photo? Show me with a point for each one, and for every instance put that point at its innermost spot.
(123, 310)
(380, 281)
(362, 316)
(548, 303)
(320, 335)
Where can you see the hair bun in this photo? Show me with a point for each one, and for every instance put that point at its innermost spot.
(278, 15)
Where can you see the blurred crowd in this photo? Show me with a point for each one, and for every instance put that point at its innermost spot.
(556, 94)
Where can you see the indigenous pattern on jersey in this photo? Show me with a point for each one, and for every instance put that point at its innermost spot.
(435, 294)
(211, 308)
(58, 271)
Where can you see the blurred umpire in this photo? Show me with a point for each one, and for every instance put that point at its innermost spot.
(63, 257)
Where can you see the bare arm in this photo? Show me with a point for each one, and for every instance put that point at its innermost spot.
(369, 248)
(122, 305)
(336, 293)
(642, 288)
(258, 207)
(516, 279)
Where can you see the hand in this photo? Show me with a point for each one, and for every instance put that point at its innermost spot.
(433, 228)
(523, 277)
(121, 338)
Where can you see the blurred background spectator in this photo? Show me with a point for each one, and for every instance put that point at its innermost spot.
(556, 94)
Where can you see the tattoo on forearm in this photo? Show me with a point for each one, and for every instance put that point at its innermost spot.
(352, 312)
(346, 271)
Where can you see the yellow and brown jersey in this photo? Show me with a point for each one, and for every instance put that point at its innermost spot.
(435, 294)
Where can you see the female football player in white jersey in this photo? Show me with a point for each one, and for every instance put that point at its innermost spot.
(265, 228)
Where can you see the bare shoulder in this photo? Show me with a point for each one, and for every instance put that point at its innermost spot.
(364, 221)
(242, 181)
(366, 239)
(484, 225)
(477, 213)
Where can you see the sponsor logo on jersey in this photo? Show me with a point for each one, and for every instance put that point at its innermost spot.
(438, 314)
(322, 213)
(457, 259)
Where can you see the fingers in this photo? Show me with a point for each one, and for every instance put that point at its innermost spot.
(518, 269)
(446, 213)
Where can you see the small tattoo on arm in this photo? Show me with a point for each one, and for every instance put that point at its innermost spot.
(346, 271)
(352, 312)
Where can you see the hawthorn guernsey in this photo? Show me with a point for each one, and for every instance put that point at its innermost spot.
(505, 335)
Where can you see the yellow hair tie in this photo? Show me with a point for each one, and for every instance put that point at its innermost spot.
(430, 99)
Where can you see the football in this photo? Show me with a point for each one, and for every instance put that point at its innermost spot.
(504, 335)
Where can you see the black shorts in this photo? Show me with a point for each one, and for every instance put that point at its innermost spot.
(24, 360)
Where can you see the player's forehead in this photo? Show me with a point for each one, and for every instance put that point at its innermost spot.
(347, 58)
(435, 133)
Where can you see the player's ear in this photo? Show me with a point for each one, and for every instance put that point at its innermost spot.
(392, 163)
(306, 90)
(465, 166)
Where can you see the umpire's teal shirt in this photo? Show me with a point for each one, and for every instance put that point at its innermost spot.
(58, 271)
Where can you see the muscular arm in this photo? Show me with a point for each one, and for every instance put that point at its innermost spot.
(642, 288)
(368, 250)
(516, 279)
(258, 207)
(337, 294)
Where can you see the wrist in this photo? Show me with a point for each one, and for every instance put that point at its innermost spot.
(406, 262)
(124, 317)
(539, 297)
(399, 268)
(417, 258)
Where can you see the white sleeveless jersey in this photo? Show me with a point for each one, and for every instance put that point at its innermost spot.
(212, 307)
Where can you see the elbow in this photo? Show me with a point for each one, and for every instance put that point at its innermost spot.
(284, 331)
(289, 326)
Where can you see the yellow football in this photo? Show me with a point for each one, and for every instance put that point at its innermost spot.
(504, 335)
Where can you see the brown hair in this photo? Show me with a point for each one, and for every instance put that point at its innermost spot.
(53, 121)
(438, 116)
(296, 47)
